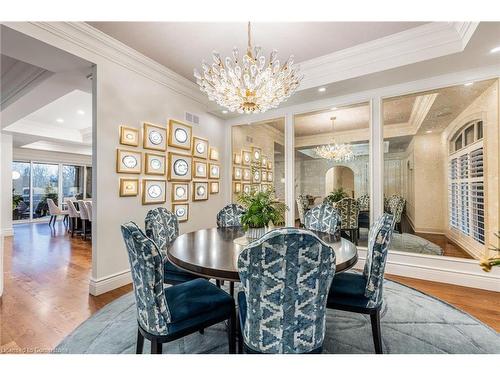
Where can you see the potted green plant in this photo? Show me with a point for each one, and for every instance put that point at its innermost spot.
(487, 263)
(336, 195)
(262, 210)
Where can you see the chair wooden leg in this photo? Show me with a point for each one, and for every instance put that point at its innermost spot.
(231, 333)
(73, 225)
(202, 331)
(217, 282)
(377, 335)
(231, 288)
(156, 347)
(140, 343)
(240, 336)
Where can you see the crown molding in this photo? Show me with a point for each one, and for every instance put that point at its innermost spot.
(420, 43)
(101, 44)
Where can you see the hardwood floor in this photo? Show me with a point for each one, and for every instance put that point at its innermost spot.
(46, 290)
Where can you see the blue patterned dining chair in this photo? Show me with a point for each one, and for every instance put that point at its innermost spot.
(285, 277)
(162, 227)
(167, 314)
(302, 207)
(323, 218)
(362, 292)
(348, 209)
(364, 212)
(395, 206)
(230, 216)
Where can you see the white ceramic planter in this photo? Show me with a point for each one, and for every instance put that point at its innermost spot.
(255, 233)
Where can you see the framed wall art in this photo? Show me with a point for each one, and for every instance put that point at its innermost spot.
(180, 192)
(154, 164)
(237, 158)
(269, 176)
(256, 155)
(237, 187)
(200, 148)
(154, 191)
(264, 188)
(129, 187)
(199, 169)
(128, 161)
(129, 136)
(247, 174)
(214, 154)
(181, 211)
(237, 173)
(213, 171)
(263, 175)
(246, 157)
(154, 137)
(179, 135)
(214, 187)
(200, 191)
(179, 167)
(264, 161)
(246, 188)
(256, 178)
(270, 165)
(255, 188)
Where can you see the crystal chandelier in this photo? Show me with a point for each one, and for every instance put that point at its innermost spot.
(335, 152)
(250, 84)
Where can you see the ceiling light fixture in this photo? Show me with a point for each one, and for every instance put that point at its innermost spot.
(224, 111)
(495, 50)
(250, 84)
(428, 131)
(468, 84)
(59, 120)
(333, 108)
(334, 151)
(80, 112)
(322, 89)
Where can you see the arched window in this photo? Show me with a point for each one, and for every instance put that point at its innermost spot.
(466, 181)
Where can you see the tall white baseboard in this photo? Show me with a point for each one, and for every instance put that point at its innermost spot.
(8, 232)
(105, 284)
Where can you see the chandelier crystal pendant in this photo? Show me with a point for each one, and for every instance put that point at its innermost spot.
(334, 151)
(249, 84)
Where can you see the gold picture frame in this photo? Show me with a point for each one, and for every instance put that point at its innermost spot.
(270, 176)
(214, 187)
(129, 187)
(246, 188)
(269, 165)
(246, 175)
(214, 154)
(180, 192)
(257, 155)
(237, 173)
(200, 148)
(181, 211)
(213, 171)
(246, 157)
(154, 137)
(264, 161)
(178, 171)
(200, 190)
(263, 175)
(155, 164)
(154, 191)
(237, 188)
(128, 161)
(256, 176)
(255, 188)
(237, 158)
(129, 136)
(200, 169)
(179, 134)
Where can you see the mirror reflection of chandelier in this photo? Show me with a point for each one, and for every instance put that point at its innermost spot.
(249, 84)
(337, 152)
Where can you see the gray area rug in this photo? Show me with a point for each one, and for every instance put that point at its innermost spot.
(412, 322)
(406, 242)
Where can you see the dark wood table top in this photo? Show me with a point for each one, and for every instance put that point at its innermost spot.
(213, 253)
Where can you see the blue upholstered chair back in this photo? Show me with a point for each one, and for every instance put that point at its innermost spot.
(396, 206)
(379, 240)
(162, 227)
(230, 216)
(286, 275)
(147, 277)
(364, 202)
(348, 209)
(323, 218)
(302, 206)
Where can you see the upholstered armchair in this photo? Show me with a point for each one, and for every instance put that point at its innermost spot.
(362, 292)
(166, 314)
(323, 218)
(162, 227)
(395, 205)
(55, 211)
(302, 207)
(348, 209)
(364, 202)
(285, 277)
(364, 211)
(230, 216)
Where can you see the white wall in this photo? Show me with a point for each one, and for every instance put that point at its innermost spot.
(6, 187)
(2, 172)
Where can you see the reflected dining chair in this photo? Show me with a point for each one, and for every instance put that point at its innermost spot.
(395, 206)
(167, 314)
(88, 206)
(230, 216)
(302, 207)
(84, 217)
(362, 292)
(74, 215)
(285, 277)
(364, 211)
(55, 211)
(348, 209)
(162, 227)
(323, 218)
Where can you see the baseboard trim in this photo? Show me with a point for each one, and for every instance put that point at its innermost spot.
(106, 284)
(8, 232)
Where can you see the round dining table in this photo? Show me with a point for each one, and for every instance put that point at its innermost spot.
(213, 253)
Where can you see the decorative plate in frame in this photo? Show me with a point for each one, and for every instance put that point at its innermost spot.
(237, 158)
(154, 137)
(269, 165)
(214, 187)
(179, 134)
(154, 164)
(180, 192)
(200, 148)
(129, 136)
(257, 155)
(264, 161)
(214, 154)
(263, 175)
(200, 191)
(255, 188)
(179, 167)
(270, 176)
(213, 171)
(246, 188)
(181, 211)
(256, 178)
(129, 187)
(237, 174)
(199, 169)
(128, 161)
(246, 157)
(264, 188)
(247, 174)
(154, 191)
(237, 187)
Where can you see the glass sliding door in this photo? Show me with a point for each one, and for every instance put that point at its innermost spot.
(45, 182)
(72, 181)
(21, 190)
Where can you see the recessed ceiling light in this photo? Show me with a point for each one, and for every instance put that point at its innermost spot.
(59, 120)
(429, 131)
(496, 49)
(80, 112)
(322, 89)
(224, 111)
(468, 84)
(333, 108)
